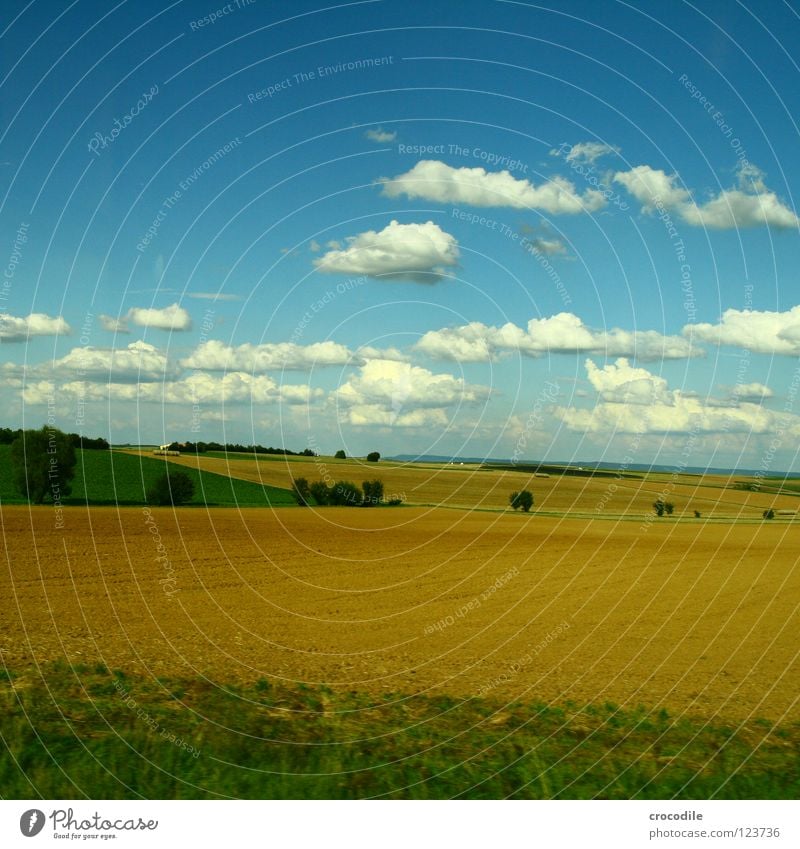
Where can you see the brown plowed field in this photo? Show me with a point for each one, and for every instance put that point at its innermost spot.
(471, 486)
(697, 617)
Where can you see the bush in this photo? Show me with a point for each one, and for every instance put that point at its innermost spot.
(373, 492)
(320, 492)
(373, 457)
(301, 492)
(172, 487)
(521, 500)
(661, 507)
(345, 494)
(43, 464)
(340, 455)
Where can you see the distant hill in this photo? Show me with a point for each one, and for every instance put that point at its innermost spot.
(585, 465)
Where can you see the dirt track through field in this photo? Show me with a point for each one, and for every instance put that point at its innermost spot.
(698, 618)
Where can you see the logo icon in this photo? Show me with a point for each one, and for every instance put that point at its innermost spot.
(31, 822)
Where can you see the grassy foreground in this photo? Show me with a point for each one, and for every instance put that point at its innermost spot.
(115, 477)
(92, 733)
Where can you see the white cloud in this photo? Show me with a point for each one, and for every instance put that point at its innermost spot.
(622, 383)
(271, 356)
(314, 246)
(368, 352)
(17, 329)
(433, 180)
(386, 392)
(172, 317)
(752, 391)
(546, 246)
(380, 135)
(115, 325)
(416, 252)
(560, 334)
(202, 389)
(584, 152)
(763, 332)
(137, 361)
(750, 205)
(635, 401)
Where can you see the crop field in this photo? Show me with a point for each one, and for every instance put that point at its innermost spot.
(476, 487)
(474, 624)
(448, 647)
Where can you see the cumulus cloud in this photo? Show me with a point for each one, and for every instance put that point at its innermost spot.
(137, 361)
(215, 355)
(584, 153)
(173, 317)
(17, 328)
(417, 252)
(750, 205)
(380, 135)
(114, 325)
(386, 392)
(752, 391)
(199, 388)
(563, 333)
(546, 246)
(763, 332)
(433, 180)
(635, 401)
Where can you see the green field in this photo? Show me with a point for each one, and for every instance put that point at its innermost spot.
(116, 477)
(88, 732)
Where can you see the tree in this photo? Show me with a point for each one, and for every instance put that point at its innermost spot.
(345, 494)
(340, 455)
(43, 464)
(373, 457)
(373, 492)
(697, 514)
(521, 500)
(668, 508)
(301, 492)
(320, 492)
(768, 514)
(171, 487)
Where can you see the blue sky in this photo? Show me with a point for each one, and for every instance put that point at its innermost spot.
(480, 228)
